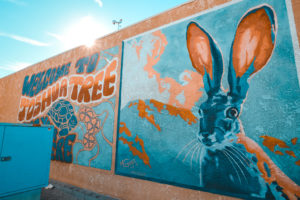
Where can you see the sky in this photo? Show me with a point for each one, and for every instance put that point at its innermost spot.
(34, 30)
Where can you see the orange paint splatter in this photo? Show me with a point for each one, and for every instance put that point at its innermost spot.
(137, 141)
(271, 142)
(290, 188)
(185, 114)
(123, 129)
(279, 153)
(291, 153)
(142, 108)
(142, 155)
(193, 80)
(157, 51)
(138, 48)
(297, 162)
(294, 141)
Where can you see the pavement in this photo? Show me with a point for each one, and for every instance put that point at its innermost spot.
(63, 191)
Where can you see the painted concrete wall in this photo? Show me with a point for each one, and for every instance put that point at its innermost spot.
(80, 104)
(78, 92)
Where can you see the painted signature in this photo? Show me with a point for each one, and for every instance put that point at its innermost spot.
(128, 163)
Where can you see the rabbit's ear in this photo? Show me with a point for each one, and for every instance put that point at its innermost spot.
(252, 48)
(205, 56)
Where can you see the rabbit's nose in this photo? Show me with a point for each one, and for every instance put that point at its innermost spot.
(203, 137)
(205, 134)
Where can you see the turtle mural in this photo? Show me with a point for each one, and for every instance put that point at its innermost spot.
(63, 116)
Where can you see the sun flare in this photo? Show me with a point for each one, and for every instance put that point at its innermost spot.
(84, 32)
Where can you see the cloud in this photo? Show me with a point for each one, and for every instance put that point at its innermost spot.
(24, 39)
(56, 36)
(17, 2)
(99, 2)
(13, 67)
(10, 68)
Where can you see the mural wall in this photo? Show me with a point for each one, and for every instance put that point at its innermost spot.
(80, 105)
(210, 102)
(189, 114)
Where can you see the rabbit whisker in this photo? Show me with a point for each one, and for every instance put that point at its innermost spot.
(202, 152)
(229, 158)
(183, 148)
(191, 162)
(239, 157)
(239, 165)
(198, 153)
(191, 148)
(242, 154)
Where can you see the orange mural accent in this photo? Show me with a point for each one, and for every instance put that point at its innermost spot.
(291, 153)
(46, 98)
(142, 108)
(138, 48)
(199, 48)
(291, 189)
(157, 51)
(272, 142)
(94, 87)
(124, 129)
(255, 33)
(96, 94)
(279, 153)
(110, 79)
(83, 89)
(297, 162)
(190, 90)
(294, 141)
(137, 141)
(32, 107)
(63, 88)
(84, 93)
(185, 114)
(75, 81)
(93, 126)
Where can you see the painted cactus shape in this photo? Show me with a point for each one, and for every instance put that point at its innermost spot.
(247, 168)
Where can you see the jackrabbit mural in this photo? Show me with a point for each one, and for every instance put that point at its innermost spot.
(221, 134)
(181, 126)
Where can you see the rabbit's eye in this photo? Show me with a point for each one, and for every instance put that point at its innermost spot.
(232, 113)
